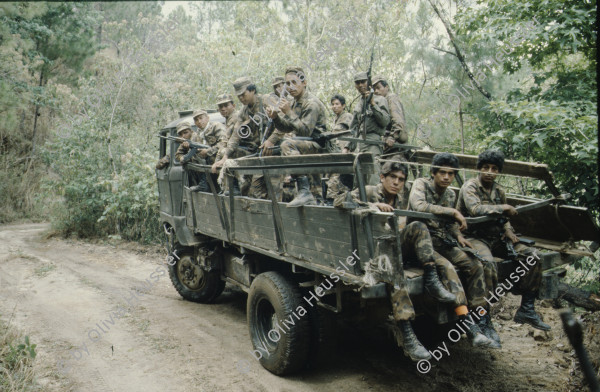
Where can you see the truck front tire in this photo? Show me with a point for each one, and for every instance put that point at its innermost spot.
(192, 282)
(279, 324)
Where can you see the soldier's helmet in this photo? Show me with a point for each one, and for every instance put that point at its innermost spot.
(198, 112)
(277, 80)
(360, 76)
(377, 78)
(183, 126)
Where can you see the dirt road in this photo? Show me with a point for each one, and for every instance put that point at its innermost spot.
(75, 300)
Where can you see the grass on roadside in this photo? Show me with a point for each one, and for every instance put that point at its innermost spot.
(17, 355)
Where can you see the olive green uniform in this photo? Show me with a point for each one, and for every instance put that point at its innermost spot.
(424, 198)
(474, 200)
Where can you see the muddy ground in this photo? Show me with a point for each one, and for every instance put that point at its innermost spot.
(67, 294)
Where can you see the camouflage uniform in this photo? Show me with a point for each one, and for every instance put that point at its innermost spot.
(474, 200)
(416, 241)
(181, 150)
(214, 135)
(342, 123)
(230, 122)
(424, 198)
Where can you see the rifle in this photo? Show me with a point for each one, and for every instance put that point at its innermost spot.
(380, 143)
(194, 147)
(368, 100)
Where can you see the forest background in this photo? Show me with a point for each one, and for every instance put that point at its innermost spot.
(85, 88)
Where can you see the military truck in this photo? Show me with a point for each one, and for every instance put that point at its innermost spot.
(301, 267)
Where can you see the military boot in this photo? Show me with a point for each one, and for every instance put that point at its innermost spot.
(202, 184)
(486, 326)
(304, 196)
(527, 314)
(474, 333)
(410, 344)
(236, 189)
(434, 287)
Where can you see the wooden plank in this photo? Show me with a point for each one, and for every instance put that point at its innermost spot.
(336, 248)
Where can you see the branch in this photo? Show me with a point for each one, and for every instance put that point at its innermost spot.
(459, 54)
(445, 51)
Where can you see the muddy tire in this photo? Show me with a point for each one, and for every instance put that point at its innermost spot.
(279, 329)
(192, 282)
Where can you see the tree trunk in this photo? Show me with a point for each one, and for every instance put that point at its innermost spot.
(578, 297)
(35, 116)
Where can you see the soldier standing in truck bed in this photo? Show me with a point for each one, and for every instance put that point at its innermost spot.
(376, 116)
(482, 196)
(248, 129)
(304, 116)
(396, 129)
(226, 107)
(434, 196)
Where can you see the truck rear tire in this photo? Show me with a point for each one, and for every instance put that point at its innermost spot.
(281, 348)
(192, 282)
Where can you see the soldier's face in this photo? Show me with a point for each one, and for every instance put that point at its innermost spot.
(488, 173)
(378, 89)
(247, 97)
(444, 177)
(186, 134)
(226, 109)
(337, 107)
(361, 86)
(201, 121)
(295, 84)
(393, 183)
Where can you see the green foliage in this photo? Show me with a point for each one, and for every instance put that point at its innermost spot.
(21, 352)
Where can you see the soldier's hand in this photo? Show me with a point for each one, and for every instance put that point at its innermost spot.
(511, 236)
(284, 106)
(203, 153)
(462, 222)
(266, 148)
(390, 142)
(185, 145)
(217, 165)
(384, 207)
(463, 242)
(272, 112)
(346, 150)
(509, 210)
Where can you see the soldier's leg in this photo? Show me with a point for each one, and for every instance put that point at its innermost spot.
(403, 312)
(415, 240)
(528, 285)
(301, 147)
(450, 279)
(472, 271)
(490, 269)
(376, 151)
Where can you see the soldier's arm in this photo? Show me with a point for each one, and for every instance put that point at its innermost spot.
(181, 151)
(355, 131)
(472, 201)
(220, 134)
(381, 112)
(398, 128)
(302, 125)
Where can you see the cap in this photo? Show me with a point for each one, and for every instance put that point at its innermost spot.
(277, 80)
(183, 126)
(392, 166)
(198, 112)
(377, 78)
(241, 84)
(224, 98)
(296, 70)
(360, 76)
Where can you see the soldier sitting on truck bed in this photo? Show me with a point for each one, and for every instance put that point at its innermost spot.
(226, 107)
(392, 193)
(245, 138)
(305, 116)
(434, 196)
(483, 196)
(184, 131)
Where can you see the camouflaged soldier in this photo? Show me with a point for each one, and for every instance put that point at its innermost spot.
(377, 118)
(482, 196)
(226, 107)
(196, 181)
(434, 196)
(342, 120)
(247, 133)
(304, 116)
(396, 129)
